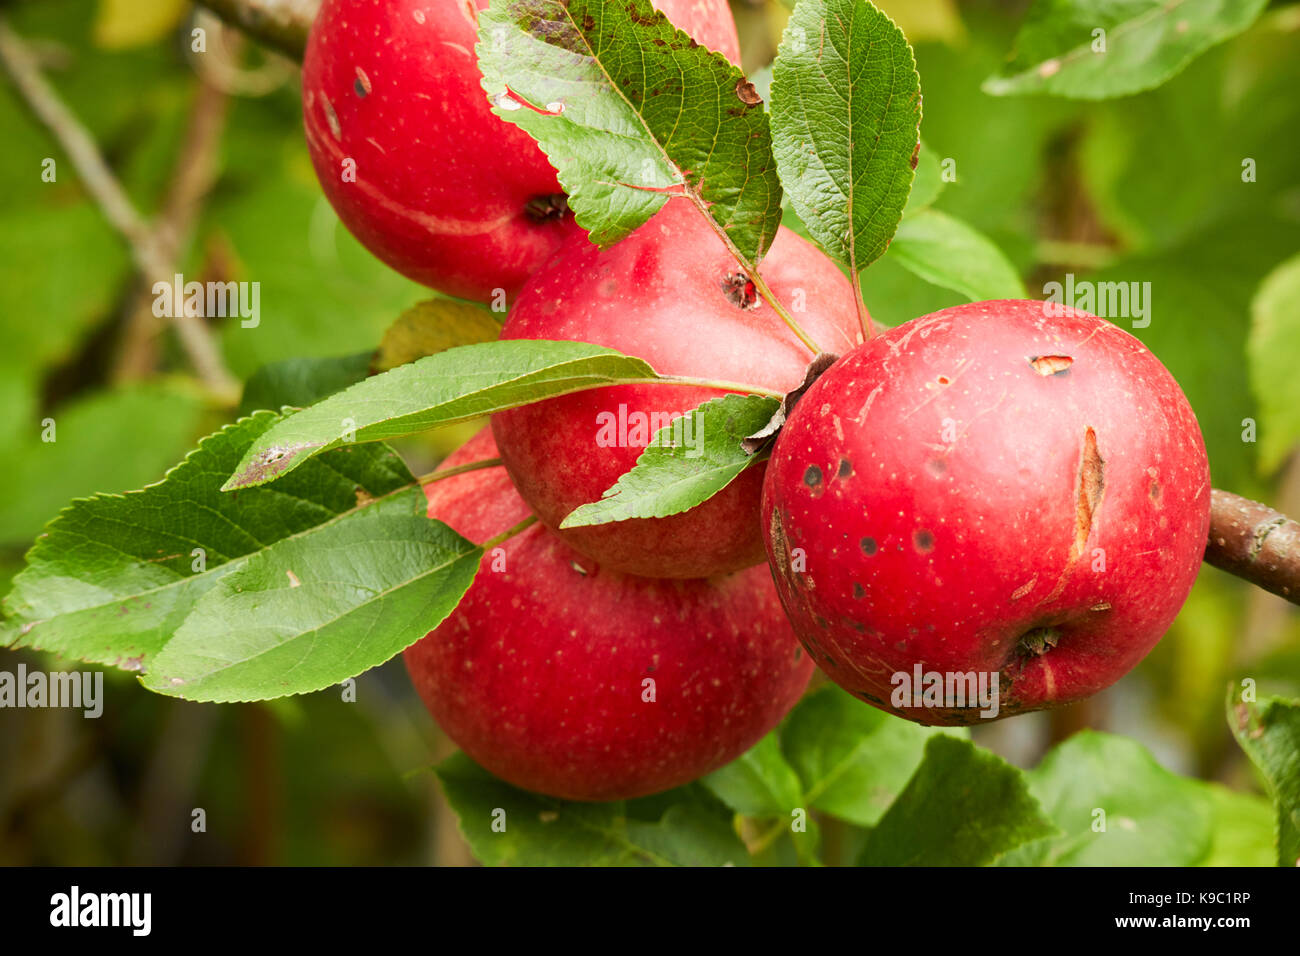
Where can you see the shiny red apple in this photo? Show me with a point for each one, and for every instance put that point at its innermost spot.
(567, 679)
(987, 493)
(411, 156)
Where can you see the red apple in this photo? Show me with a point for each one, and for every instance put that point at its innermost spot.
(671, 294)
(988, 491)
(567, 679)
(413, 159)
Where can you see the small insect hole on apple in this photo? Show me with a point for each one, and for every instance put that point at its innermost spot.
(740, 290)
(1038, 641)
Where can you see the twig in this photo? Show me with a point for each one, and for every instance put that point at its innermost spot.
(1256, 543)
(193, 174)
(112, 200)
(282, 24)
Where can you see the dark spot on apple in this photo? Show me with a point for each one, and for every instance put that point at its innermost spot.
(858, 590)
(824, 624)
(1046, 365)
(936, 466)
(740, 290)
(868, 546)
(1154, 491)
(924, 541)
(812, 477)
(550, 208)
(798, 654)
(359, 87)
(830, 661)
(846, 468)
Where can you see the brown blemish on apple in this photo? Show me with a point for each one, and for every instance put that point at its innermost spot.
(362, 84)
(332, 119)
(845, 469)
(740, 291)
(1024, 589)
(1046, 365)
(868, 546)
(813, 477)
(924, 541)
(858, 591)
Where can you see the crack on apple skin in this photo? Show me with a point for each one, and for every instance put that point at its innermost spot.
(1051, 365)
(1090, 487)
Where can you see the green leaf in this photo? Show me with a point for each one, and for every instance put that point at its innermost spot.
(629, 110)
(1269, 732)
(759, 783)
(506, 826)
(846, 114)
(1271, 354)
(1142, 44)
(433, 326)
(113, 576)
(300, 382)
(963, 807)
(312, 610)
(948, 253)
(452, 386)
(688, 461)
(106, 441)
(1244, 829)
(1151, 817)
(852, 759)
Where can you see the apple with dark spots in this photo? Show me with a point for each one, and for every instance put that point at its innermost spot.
(411, 156)
(570, 680)
(673, 295)
(994, 491)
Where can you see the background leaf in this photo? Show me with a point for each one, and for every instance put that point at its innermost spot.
(1275, 322)
(544, 831)
(963, 807)
(1146, 42)
(949, 253)
(302, 381)
(852, 759)
(1152, 817)
(1269, 732)
(433, 326)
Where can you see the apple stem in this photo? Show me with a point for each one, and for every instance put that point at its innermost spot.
(864, 318)
(760, 284)
(710, 383)
(1255, 543)
(506, 535)
(442, 473)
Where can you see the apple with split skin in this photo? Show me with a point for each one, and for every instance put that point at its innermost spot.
(994, 488)
(411, 156)
(570, 680)
(672, 294)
